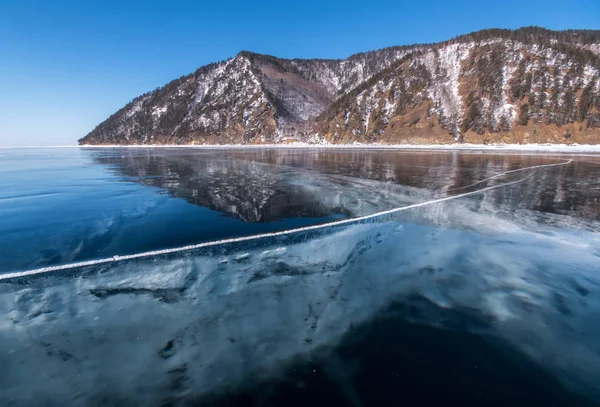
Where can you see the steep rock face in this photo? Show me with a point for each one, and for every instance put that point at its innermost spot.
(528, 85)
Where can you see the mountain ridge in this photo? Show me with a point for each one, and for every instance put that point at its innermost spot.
(495, 85)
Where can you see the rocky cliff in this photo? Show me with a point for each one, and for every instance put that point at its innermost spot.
(524, 86)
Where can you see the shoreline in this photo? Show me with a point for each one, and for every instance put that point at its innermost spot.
(551, 148)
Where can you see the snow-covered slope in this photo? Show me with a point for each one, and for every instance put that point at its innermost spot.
(528, 85)
(495, 89)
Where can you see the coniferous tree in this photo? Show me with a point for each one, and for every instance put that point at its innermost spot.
(524, 114)
(586, 100)
(504, 124)
(568, 107)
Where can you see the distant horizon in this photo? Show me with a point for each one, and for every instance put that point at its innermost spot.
(67, 67)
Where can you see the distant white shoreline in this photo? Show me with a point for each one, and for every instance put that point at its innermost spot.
(554, 148)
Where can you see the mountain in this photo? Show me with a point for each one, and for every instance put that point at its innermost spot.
(513, 86)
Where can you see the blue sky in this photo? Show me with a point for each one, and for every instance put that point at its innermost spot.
(67, 65)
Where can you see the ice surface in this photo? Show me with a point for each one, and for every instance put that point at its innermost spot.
(180, 325)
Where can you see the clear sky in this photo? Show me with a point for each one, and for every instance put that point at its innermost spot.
(67, 65)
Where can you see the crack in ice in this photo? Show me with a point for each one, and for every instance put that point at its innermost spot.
(43, 270)
(507, 172)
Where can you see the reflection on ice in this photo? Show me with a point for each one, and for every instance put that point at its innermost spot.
(186, 327)
(263, 184)
(96, 203)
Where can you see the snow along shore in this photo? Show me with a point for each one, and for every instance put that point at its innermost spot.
(554, 148)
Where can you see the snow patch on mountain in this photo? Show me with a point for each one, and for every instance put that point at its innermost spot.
(444, 66)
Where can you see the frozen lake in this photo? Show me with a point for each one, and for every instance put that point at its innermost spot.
(483, 290)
